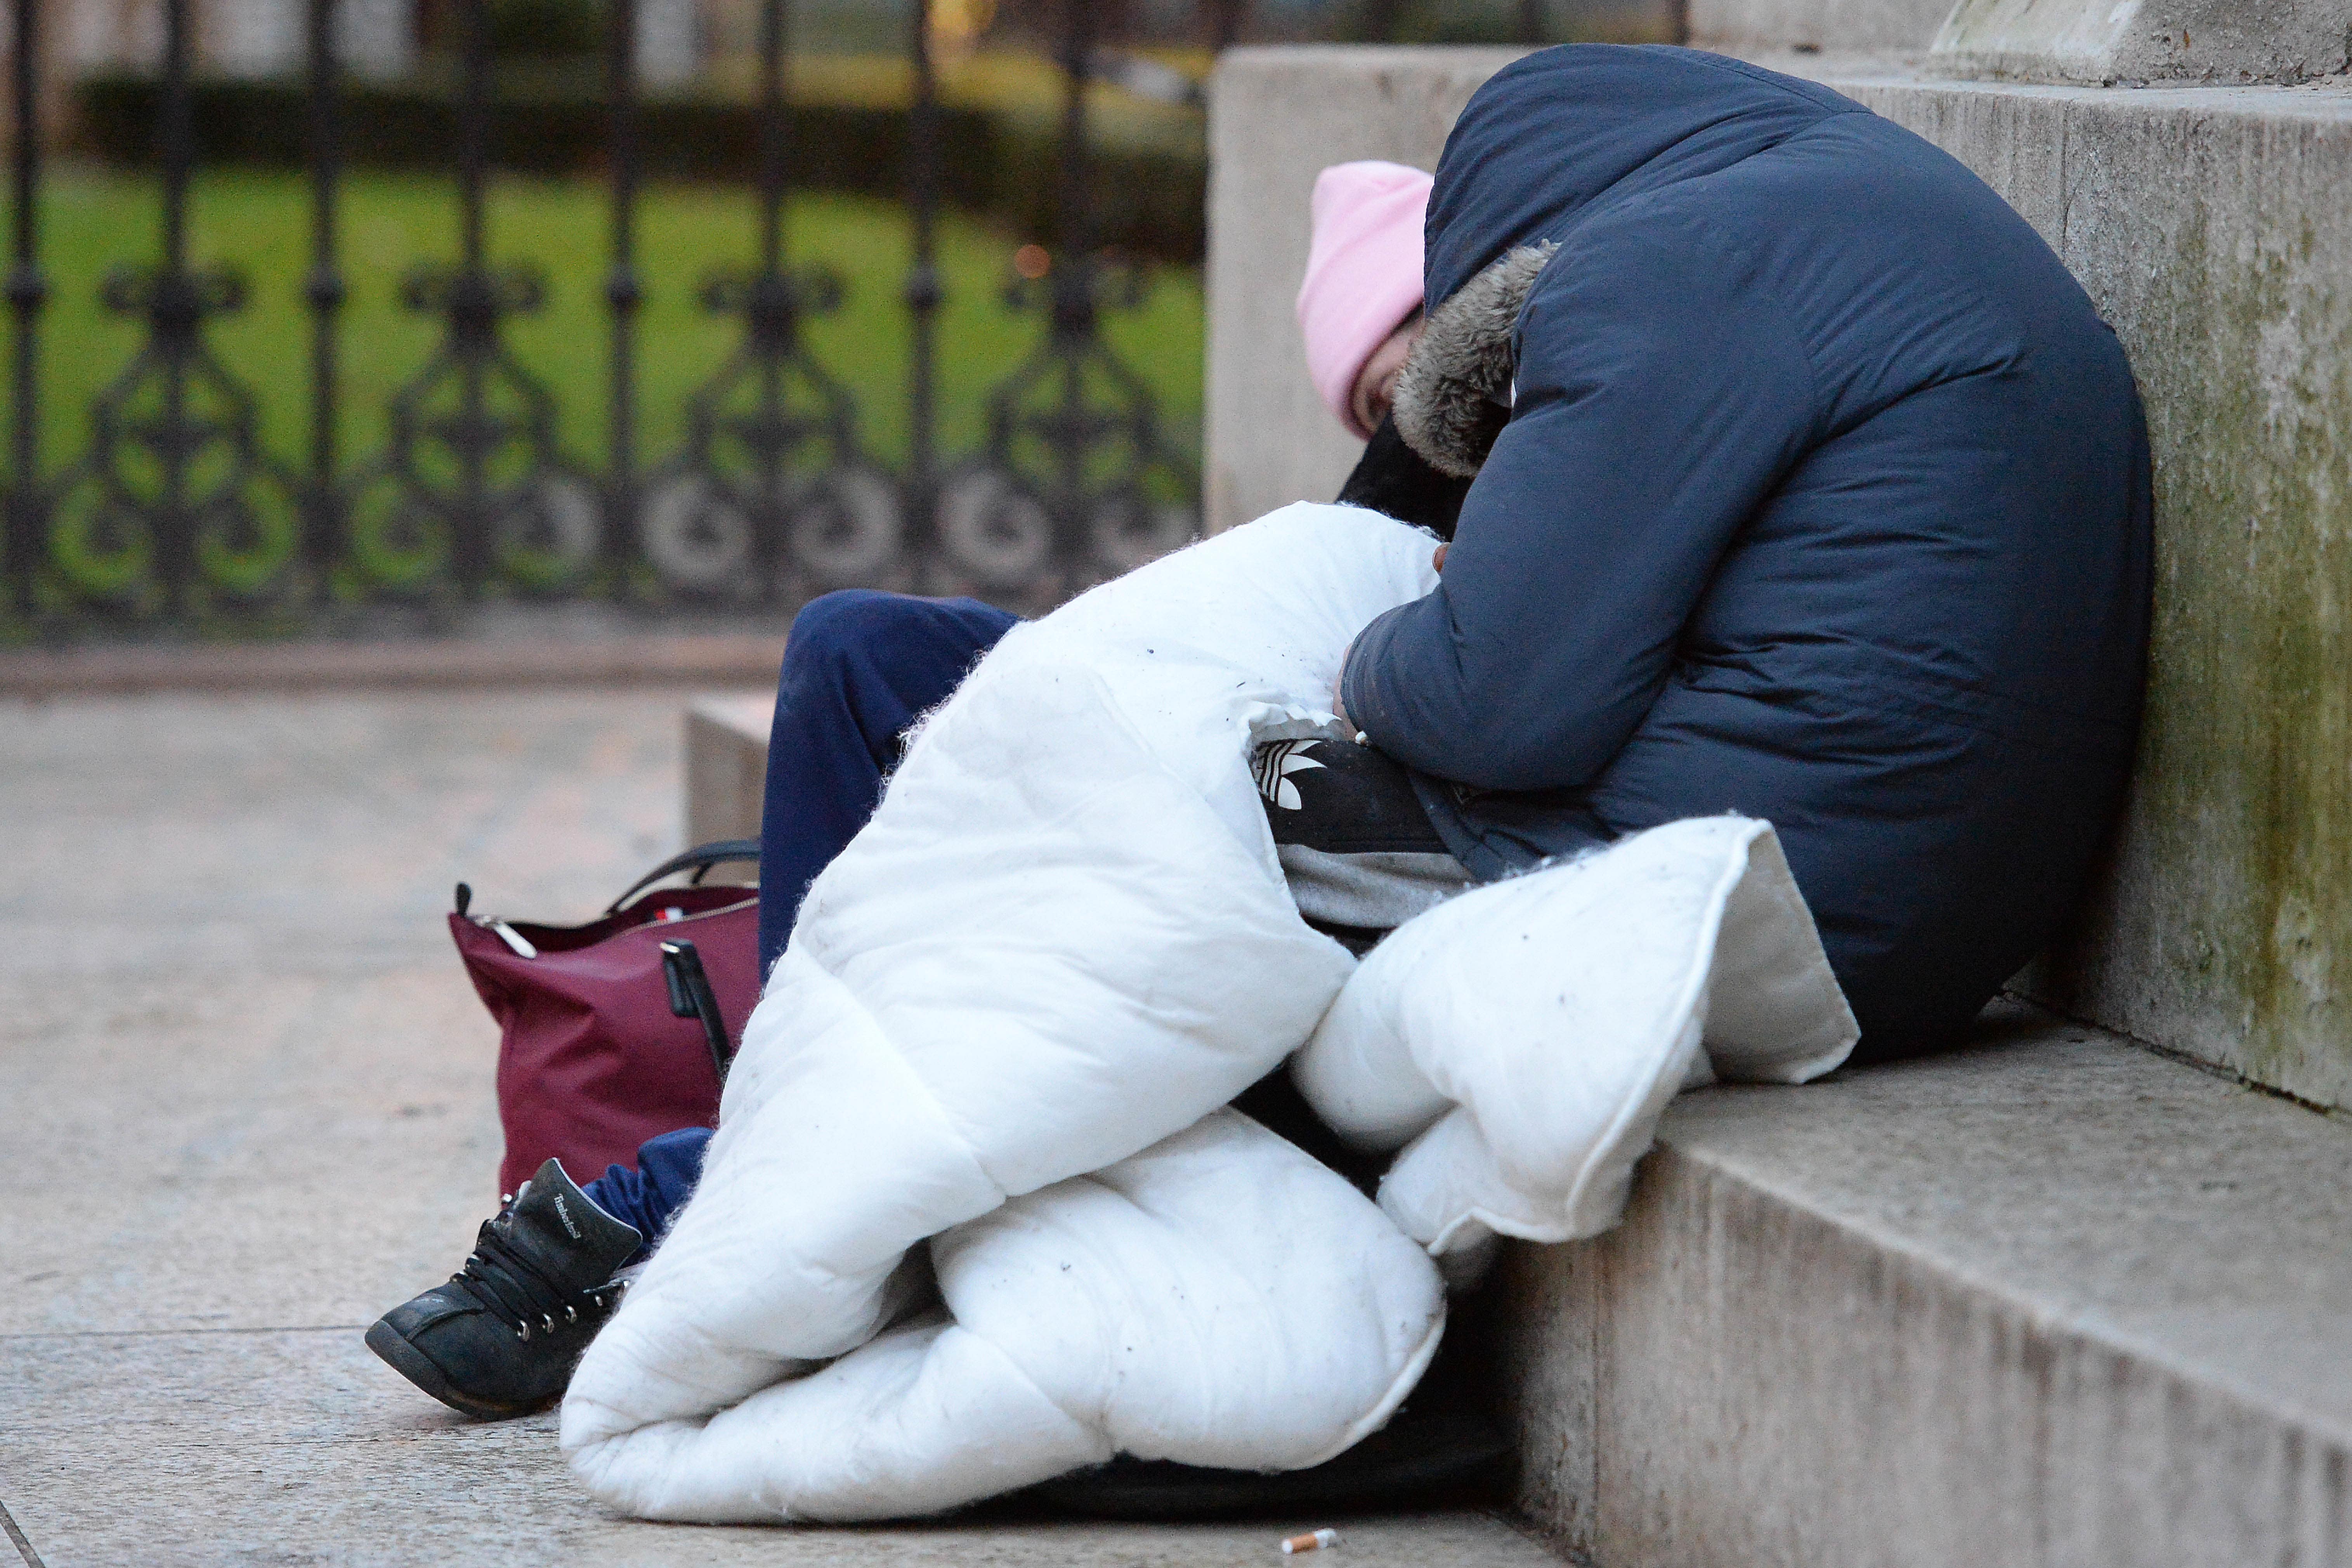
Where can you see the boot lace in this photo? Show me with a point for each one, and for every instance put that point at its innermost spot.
(517, 1293)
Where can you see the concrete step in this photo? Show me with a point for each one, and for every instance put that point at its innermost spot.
(726, 766)
(2053, 1299)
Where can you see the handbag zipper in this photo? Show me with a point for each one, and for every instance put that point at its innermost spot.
(508, 934)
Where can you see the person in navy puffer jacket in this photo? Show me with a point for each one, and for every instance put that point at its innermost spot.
(1809, 485)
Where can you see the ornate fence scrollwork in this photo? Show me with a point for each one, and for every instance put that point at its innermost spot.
(1078, 483)
(173, 512)
(473, 489)
(771, 494)
(174, 508)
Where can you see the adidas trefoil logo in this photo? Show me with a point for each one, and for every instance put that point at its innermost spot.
(1273, 766)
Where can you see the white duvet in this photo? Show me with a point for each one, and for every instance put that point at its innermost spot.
(974, 1216)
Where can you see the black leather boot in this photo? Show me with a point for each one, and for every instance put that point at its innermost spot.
(502, 1336)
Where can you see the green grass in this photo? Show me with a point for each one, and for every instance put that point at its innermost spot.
(95, 219)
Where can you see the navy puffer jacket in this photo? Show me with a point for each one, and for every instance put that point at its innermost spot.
(1822, 497)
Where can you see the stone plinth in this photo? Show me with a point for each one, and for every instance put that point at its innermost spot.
(2217, 41)
(1277, 116)
(1842, 26)
(2210, 227)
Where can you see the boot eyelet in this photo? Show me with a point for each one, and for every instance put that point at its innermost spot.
(523, 1333)
(571, 1314)
(546, 1323)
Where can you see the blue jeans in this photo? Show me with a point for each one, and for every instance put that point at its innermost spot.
(667, 1168)
(860, 669)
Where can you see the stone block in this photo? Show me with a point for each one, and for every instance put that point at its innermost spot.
(2054, 1301)
(726, 767)
(1277, 116)
(2220, 41)
(2210, 225)
(1821, 26)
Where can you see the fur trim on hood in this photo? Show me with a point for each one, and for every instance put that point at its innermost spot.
(1455, 393)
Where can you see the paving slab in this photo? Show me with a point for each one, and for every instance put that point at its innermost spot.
(284, 1151)
(246, 1098)
(242, 836)
(577, 655)
(301, 1447)
(231, 1020)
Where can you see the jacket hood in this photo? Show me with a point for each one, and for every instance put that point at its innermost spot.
(1454, 394)
(1567, 132)
(1549, 142)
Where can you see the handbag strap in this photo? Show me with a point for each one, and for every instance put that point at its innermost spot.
(690, 996)
(699, 859)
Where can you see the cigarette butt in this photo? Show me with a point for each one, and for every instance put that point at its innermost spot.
(1315, 1542)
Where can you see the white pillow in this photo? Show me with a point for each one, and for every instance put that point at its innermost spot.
(1520, 1042)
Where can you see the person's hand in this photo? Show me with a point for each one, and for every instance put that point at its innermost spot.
(1437, 561)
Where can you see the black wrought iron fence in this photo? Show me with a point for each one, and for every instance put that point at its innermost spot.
(175, 511)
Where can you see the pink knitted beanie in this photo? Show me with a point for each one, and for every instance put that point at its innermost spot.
(1363, 272)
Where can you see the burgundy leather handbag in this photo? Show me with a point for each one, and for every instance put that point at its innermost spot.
(615, 1031)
